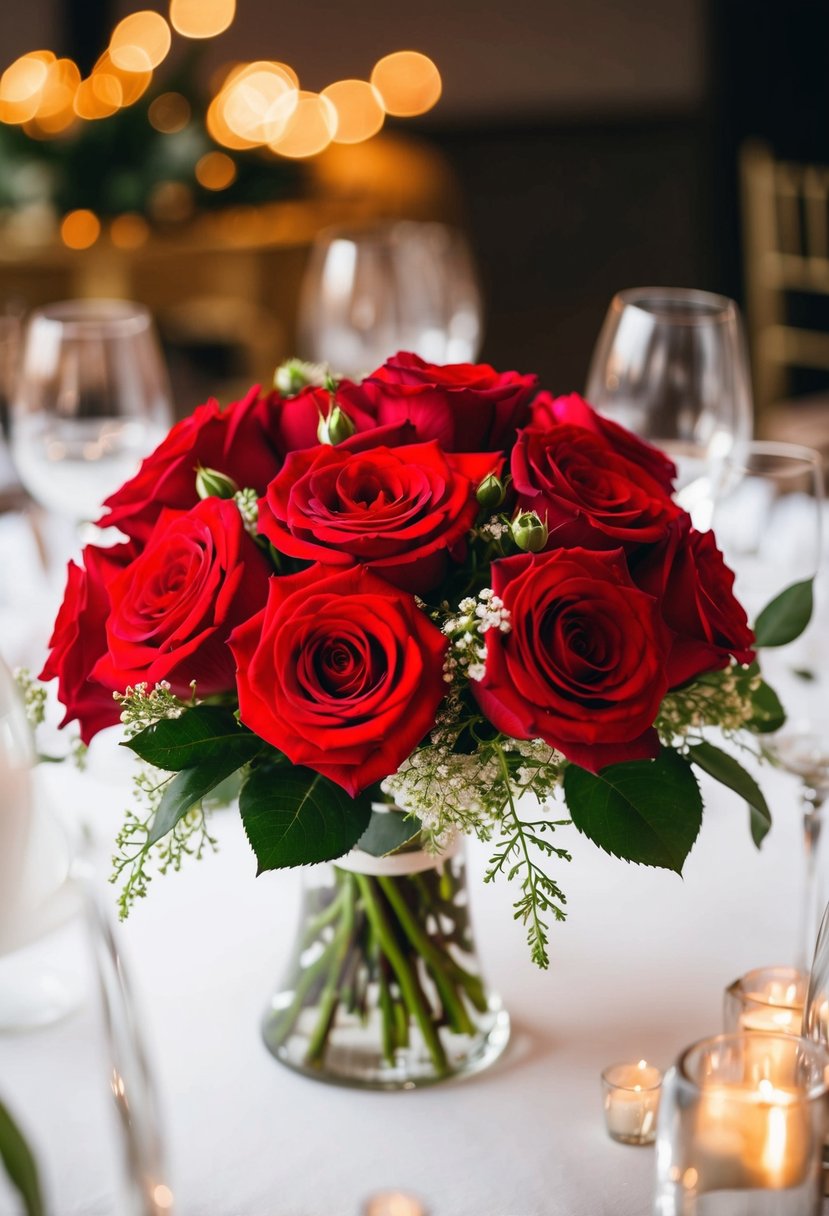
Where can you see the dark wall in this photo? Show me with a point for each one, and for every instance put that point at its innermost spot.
(564, 216)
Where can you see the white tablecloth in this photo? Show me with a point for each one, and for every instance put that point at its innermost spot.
(637, 971)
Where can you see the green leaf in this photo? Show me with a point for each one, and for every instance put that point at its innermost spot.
(19, 1163)
(387, 832)
(197, 736)
(294, 816)
(769, 715)
(728, 771)
(645, 811)
(186, 789)
(785, 618)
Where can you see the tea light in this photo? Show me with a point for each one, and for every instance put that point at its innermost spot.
(769, 1000)
(393, 1203)
(752, 1137)
(631, 1101)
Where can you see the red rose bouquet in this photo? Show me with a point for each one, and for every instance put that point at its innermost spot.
(434, 592)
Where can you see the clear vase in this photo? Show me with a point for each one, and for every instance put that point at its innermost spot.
(384, 989)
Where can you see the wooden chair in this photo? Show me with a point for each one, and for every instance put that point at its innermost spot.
(786, 250)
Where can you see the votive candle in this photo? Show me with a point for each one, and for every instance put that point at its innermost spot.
(631, 1101)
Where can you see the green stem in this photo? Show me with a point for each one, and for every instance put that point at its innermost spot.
(409, 987)
(332, 992)
(434, 958)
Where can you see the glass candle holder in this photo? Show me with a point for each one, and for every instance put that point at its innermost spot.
(741, 1128)
(631, 1101)
(768, 1000)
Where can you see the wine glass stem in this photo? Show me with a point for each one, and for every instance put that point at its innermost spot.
(814, 886)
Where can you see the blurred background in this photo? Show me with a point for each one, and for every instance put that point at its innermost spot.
(584, 148)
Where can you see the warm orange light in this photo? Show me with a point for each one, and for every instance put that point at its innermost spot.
(215, 171)
(201, 18)
(218, 129)
(22, 84)
(408, 83)
(129, 231)
(99, 96)
(359, 109)
(140, 42)
(80, 229)
(58, 92)
(258, 101)
(169, 112)
(132, 84)
(309, 129)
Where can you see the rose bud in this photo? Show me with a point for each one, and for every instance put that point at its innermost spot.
(293, 376)
(210, 483)
(529, 532)
(336, 427)
(491, 492)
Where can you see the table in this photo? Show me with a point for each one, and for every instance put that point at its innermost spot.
(639, 970)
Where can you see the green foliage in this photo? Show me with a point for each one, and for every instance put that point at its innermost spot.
(387, 832)
(293, 816)
(137, 858)
(199, 736)
(19, 1164)
(644, 811)
(186, 789)
(729, 772)
(785, 618)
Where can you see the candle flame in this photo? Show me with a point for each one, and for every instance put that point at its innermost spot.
(774, 1148)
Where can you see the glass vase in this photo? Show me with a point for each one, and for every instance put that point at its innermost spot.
(384, 989)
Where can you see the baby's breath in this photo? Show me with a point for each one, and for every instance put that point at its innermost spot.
(33, 694)
(142, 706)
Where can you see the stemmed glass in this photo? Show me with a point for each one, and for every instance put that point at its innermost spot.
(369, 292)
(670, 364)
(767, 509)
(92, 400)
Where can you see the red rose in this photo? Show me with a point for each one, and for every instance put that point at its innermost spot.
(587, 492)
(549, 412)
(398, 510)
(583, 664)
(466, 407)
(341, 672)
(240, 441)
(79, 640)
(296, 419)
(174, 607)
(688, 574)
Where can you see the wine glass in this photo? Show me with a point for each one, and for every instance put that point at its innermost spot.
(670, 364)
(767, 517)
(369, 292)
(92, 400)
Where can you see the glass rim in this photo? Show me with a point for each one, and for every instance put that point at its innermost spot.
(818, 1052)
(774, 447)
(606, 1079)
(665, 304)
(118, 316)
(736, 987)
(380, 229)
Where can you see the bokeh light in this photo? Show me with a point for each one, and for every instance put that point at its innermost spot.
(140, 42)
(99, 96)
(360, 112)
(201, 18)
(408, 83)
(22, 84)
(258, 101)
(132, 84)
(129, 231)
(171, 202)
(169, 112)
(215, 171)
(80, 229)
(310, 128)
